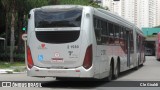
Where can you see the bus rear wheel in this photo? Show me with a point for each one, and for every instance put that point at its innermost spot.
(110, 77)
(117, 71)
(137, 66)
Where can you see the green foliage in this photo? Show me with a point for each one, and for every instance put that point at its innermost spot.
(35, 3)
(21, 68)
(18, 56)
(8, 65)
(4, 65)
(75, 2)
(17, 70)
(80, 2)
(2, 35)
(15, 12)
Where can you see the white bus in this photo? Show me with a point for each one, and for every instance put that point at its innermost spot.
(65, 41)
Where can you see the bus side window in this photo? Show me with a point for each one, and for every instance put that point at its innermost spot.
(111, 33)
(117, 34)
(104, 38)
(98, 34)
(97, 29)
(121, 36)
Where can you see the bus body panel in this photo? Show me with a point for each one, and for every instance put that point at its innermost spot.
(48, 55)
(55, 56)
(75, 72)
(67, 56)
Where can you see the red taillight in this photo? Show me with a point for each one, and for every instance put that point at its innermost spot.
(29, 58)
(88, 58)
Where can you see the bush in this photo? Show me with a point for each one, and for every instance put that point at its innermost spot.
(18, 55)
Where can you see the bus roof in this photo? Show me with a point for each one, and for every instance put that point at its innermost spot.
(126, 22)
(51, 7)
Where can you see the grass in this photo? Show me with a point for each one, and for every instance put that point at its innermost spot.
(8, 64)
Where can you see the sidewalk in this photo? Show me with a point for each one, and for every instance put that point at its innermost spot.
(4, 71)
(13, 70)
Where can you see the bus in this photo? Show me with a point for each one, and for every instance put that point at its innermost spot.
(74, 41)
(158, 47)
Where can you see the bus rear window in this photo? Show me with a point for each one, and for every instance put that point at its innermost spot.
(58, 18)
(57, 37)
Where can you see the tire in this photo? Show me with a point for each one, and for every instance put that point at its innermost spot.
(110, 77)
(117, 71)
(142, 65)
(137, 67)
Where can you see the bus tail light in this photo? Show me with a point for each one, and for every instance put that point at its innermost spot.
(88, 58)
(29, 58)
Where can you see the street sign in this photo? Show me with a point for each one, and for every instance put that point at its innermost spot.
(24, 37)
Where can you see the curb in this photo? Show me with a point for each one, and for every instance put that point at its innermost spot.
(5, 71)
(10, 71)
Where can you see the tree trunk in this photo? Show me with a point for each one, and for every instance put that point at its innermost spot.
(12, 36)
(6, 28)
(20, 20)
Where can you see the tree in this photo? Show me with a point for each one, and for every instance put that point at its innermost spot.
(9, 5)
(6, 4)
(80, 2)
(75, 2)
(15, 10)
(53, 2)
(22, 10)
(12, 41)
(2, 21)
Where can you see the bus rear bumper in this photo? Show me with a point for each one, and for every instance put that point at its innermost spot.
(79, 72)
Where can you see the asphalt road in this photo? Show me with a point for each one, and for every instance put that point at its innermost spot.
(150, 71)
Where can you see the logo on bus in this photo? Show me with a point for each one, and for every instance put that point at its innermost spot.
(57, 58)
(42, 46)
(40, 58)
(56, 54)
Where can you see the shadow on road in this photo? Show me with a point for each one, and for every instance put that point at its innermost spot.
(125, 73)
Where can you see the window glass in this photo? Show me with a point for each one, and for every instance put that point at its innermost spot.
(58, 18)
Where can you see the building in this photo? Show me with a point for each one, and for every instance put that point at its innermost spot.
(119, 7)
(152, 13)
(143, 13)
(158, 12)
